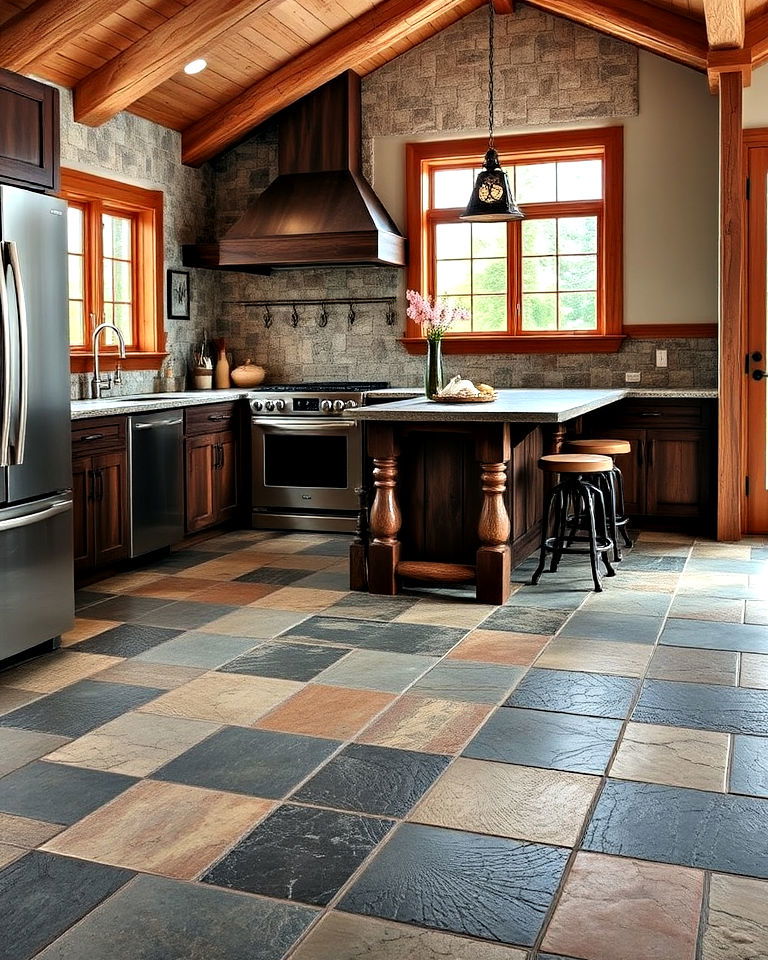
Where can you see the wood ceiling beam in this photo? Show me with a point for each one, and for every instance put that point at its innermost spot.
(650, 28)
(47, 25)
(368, 35)
(756, 39)
(725, 21)
(158, 56)
(504, 6)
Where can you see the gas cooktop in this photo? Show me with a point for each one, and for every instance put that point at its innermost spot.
(324, 386)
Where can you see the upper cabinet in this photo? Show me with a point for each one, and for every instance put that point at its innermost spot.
(29, 133)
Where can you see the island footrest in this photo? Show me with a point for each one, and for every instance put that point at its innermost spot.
(444, 572)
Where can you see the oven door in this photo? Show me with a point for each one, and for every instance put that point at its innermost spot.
(306, 463)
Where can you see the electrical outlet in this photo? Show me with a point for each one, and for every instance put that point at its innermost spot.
(632, 378)
(661, 358)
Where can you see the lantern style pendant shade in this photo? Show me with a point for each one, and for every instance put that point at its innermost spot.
(491, 199)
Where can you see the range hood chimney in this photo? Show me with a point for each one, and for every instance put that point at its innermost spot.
(320, 210)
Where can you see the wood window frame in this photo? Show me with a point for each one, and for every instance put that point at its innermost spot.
(604, 142)
(145, 208)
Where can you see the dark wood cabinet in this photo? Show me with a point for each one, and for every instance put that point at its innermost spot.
(29, 133)
(668, 476)
(213, 465)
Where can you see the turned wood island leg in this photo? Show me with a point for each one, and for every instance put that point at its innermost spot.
(494, 558)
(385, 519)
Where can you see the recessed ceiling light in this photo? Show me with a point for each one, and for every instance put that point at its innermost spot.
(195, 66)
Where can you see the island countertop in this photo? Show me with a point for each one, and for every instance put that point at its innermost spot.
(511, 406)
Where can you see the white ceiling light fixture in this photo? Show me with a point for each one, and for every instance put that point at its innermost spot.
(195, 66)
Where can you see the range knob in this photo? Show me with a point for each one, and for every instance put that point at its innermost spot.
(257, 405)
(269, 405)
(338, 405)
(350, 404)
(280, 405)
(326, 406)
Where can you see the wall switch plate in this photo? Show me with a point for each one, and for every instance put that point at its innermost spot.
(632, 378)
(661, 358)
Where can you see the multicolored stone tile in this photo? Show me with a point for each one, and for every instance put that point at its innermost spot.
(736, 919)
(672, 755)
(426, 724)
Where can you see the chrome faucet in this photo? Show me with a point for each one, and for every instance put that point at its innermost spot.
(98, 383)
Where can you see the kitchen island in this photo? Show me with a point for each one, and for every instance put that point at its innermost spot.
(457, 492)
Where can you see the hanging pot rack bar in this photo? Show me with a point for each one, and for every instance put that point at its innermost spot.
(323, 303)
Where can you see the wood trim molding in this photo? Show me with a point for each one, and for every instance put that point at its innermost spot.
(728, 61)
(47, 25)
(367, 36)
(730, 488)
(649, 27)
(458, 344)
(667, 331)
(157, 56)
(83, 362)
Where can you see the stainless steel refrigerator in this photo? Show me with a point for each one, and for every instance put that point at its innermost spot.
(36, 575)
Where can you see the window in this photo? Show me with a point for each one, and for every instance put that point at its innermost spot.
(114, 252)
(549, 282)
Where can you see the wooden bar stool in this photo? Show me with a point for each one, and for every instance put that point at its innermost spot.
(613, 483)
(578, 494)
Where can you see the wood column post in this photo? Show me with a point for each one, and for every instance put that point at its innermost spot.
(385, 519)
(732, 238)
(494, 558)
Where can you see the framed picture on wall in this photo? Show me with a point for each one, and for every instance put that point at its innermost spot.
(178, 295)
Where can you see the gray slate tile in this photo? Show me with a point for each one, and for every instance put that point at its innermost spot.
(536, 620)
(711, 635)
(366, 606)
(703, 706)
(127, 640)
(18, 747)
(376, 670)
(195, 648)
(749, 766)
(186, 615)
(594, 624)
(693, 828)
(411, 638)
(480, 886)
(467, 681)
(125, 608)
(566, 691)
(287, 661)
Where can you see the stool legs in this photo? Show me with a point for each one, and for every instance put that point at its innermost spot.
(620, 507)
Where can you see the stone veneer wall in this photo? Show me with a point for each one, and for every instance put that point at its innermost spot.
(135, 150)
(548, 71)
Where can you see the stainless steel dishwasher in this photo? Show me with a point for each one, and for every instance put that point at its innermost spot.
(156, 449)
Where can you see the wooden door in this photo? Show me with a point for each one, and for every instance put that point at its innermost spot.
(632, 466)
(82, 496)
(225, 477)
(29, 132)
(756, 350)
(110, 508)
(202, 508)
(677, 473)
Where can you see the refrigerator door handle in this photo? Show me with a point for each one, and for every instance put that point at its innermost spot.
(60, 506)
(21, 436)
(5, 381)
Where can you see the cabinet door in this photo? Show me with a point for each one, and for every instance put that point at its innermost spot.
(82, 495)
(29, 132)
(677, 471)
(225, 477)
(632, 466)
(110, 508)
(201, 497)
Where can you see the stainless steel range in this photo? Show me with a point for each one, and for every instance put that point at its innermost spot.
(307, 455)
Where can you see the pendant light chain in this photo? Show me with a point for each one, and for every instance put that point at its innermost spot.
(490, 71)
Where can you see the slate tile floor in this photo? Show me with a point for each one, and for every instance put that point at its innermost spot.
(232, 756)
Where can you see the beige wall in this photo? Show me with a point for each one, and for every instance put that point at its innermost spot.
(670, 220)
(755, 112)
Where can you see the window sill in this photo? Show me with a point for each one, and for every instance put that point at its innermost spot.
(83, 362)
(492, 344)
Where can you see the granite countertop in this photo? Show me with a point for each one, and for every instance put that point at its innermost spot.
(668, 393)
(511, 406)
(142, 403)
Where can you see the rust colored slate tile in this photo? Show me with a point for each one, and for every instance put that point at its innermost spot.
(428, 725)
(345, 936)
(694, 665)
(614, 908)
(23, 832)
(85, 629)
(318, 710)
(51, 673)
(528, 803)
(224, 698)
(674, 756)
(597, 656)
(300, 598)
(8, 854)
(136, 744)
(163, 828)
(737, 919)
(142, 673)
(500, 646)
(234, 594)
(12, 698)
(223, 568)
(754, 671)
(171, 588)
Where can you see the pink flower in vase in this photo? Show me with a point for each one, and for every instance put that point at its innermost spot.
(434, 316)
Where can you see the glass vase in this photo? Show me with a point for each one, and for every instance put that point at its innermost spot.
(433, 372)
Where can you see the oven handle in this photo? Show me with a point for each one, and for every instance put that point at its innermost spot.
(287, 425)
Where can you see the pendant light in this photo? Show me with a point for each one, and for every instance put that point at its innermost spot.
(491, 198)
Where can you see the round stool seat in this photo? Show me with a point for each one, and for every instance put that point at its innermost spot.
(575, 463)
(606, 447)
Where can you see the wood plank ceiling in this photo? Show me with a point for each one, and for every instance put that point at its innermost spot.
(129, 54)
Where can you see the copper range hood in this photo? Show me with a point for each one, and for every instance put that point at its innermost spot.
(320, 210)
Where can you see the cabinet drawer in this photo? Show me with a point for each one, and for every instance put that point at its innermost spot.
(91, 436)
(662, 413)
(210, 418)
